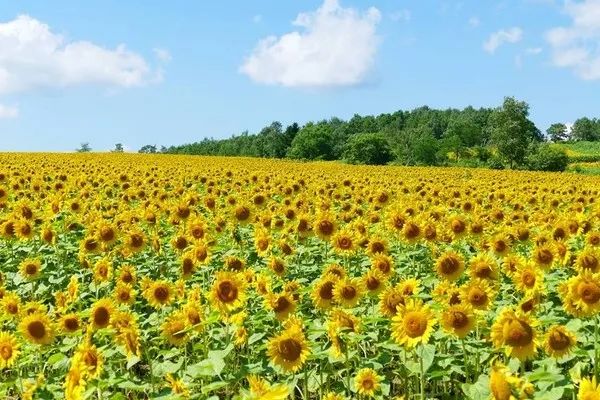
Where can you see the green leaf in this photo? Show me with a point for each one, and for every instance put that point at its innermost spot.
(479, 390)
(213, 386)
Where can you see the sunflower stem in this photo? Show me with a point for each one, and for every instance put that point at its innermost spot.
(467, 371)
(422, 385)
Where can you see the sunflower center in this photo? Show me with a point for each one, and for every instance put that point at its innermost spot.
(348, 292)
(326, 291)
(161, 294)
(326, 228)
(127, 277)
(227, 292)
(589, 292)
(37, 329)
(518, 333)
(107, 234)
(528, 279)
(459, 319)
(137, 240)
(483, 271)
(101, 316)
(383, 266)
(411, 230)
(290, 349)
(589, 262)
(544, 256)
(6, 352)
(558, 340)
(242, 213)
(368, 384)
(392, 302)
(373, 283)
(345, 243)
(377, 247)
(179, 331)
(457, 226)
(71, 324)
(31, 269)
(415, 324)
(477, 297)
(449, 265)
(281, 304)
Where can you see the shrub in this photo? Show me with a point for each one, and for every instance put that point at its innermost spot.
(368, 148)
(547, 158)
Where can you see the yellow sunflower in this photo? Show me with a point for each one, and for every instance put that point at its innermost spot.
(37, 328)
(347, 292)
(101, 313)
(450, 265)
(9, 349)
(160, 293)
(413, 323)
(559, 341)
(367, 382)
(174, 329)
(516, 332)
(588, 389)
(289, 349)
(30, 269)
(528, 278)
(458, 320)
(228, 291)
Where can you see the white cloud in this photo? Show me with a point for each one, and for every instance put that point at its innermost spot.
(474, 22)
(497, 39)
(34, 57)
(8, 112)
(577, 46)
(334, 46)
(162, 54)
(401, 15)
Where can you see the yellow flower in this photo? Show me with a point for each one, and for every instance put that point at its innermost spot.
(9, 350)
(458, 320)
(261, 389)
(101, 313)
(322, 292)
(289, 349)
(228, 291)
(588, 389)
(477, 293)
(174, 329)
(516, 332)
(37, 328)
(367, 382)
(450, 266)
(559, 341)
(528, 278)
(160, 293)
(413, 324)
(30, 268)
(347, 292)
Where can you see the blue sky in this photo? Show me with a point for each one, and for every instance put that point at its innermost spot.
(195, 69)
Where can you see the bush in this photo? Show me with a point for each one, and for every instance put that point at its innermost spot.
(495, 163)
(368, 148)
(547, 158)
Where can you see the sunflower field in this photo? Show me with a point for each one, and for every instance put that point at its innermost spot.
(126, 276)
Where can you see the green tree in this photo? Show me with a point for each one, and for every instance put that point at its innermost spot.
(417, 146)
(84, 148)
(512, 131)
(547, 158)
(368, 148)
(557, 132)
(148, 149)
(461, 133)
(118, 148)
(313, 142)
(586, 129)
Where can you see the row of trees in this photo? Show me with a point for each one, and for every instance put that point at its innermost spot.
(496, 137)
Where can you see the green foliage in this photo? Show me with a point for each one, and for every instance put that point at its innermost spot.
(548, 158)
(148, 149)
(512, 131)
(368, 148)
(557, 132)
(417, 147)
(84, 148)
(586, 129)
(313, 142)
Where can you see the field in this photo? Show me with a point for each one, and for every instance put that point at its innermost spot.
(175, 277)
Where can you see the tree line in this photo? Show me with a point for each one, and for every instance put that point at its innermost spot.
(494, 137)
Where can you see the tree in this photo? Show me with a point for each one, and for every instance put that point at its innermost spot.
(512, 131)
(118, 148)
(313, 142)
(368, 148)
(148, 149)
(417, 146)
(461, 134)
(557, 132)
(586, 129)
(84, 148)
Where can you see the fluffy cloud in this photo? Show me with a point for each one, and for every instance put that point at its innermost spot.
(8, 112)
(33, 57)
(334, 46)
(578, 46)
(497, 39)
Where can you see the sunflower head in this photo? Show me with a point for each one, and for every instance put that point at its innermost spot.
(413, 324)
(367, 382)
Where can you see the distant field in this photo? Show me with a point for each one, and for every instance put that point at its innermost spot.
(581, 152)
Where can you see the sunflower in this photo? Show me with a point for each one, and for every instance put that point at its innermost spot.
(528, 278)
(228, 291)
(409, 287)
(124, 293)
(90, 357)
(344, 241)
(289, 349)
(261, 389)
(389, 300)
(450, 266)
(559, 341)
(159, 293)
(458, 320)
(374, 281)
(367, 382)
(477, 293)
(9, 349)
(101, 313)
(543, 255)
(30, 268)
(127, 274)
(69, 323)
(583, 292)
(377, 245)
(347, 292)
(413, 324)
(483, 266)
(588, 389)
(37, 328)
(505, 386)
(322, 292)
(177, 386)
(588, 259)
(277, 265)
(135, 241)
(174, 329)
(282, 304)
(516, 332)
(324, 226)
(10, 305)
(102, 270)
